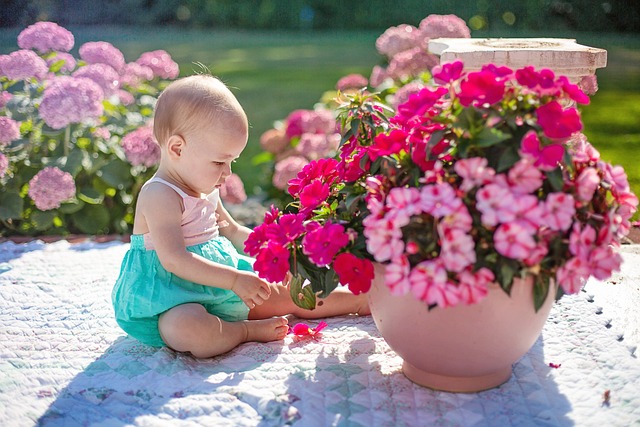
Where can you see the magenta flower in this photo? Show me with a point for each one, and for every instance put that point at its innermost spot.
(418, 104)
(258, 238)
(4, 165)
(233, 190)
(50, 187)
(102, 53)
(46, 37)
(385, 145)
(160, 63)
(321, 169)
(574, 91)
(313, 195)
(23, 65)
(323, 243)
(557, 122)
(272, 262)
(481, 87)
(9, 130)
(71, 100)
(356, 273)
(546, 158)
(513, 241)
(288, 228)
(140, 147)
(103, 75)
(447, 72)
(559, 209)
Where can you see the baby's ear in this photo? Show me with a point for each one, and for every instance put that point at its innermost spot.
(175, 145)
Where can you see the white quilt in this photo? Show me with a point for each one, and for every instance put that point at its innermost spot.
(65, 362)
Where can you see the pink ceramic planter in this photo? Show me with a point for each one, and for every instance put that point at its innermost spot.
(462, 348)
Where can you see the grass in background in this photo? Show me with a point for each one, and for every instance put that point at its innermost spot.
(274, 73)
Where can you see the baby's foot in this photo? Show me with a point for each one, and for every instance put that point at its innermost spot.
(265, 330)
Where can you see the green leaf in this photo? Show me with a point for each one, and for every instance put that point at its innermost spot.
(71, 207)
(43, 220)
(506, 274)
(57, 65)
(92, 219)
(11, 205)
(540, 291)
(555, 179)
(508, 158)
(91, 196)
(116, 173)
(264, 157)
(73, 162)
(490, 136)
(302, 296)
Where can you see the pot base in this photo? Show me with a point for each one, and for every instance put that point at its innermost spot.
(456, 384)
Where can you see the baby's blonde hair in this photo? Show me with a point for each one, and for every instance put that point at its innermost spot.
(194, 101)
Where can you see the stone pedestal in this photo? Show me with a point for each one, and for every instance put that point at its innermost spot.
(563, 56)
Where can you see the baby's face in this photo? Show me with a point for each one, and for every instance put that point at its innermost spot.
(208, 154)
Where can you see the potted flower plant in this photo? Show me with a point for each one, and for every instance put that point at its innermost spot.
(479, 196)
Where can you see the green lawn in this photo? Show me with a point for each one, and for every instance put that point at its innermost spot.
(274, 73)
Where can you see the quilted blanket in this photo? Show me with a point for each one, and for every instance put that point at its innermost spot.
(65, 362)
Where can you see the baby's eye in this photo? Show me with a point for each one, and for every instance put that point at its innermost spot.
(218, 163)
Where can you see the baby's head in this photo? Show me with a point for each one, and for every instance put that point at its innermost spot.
(192, 103)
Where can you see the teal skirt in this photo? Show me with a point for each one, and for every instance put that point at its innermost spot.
(144, 289)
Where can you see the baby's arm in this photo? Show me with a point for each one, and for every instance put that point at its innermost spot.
(162, 209)
(235, 232)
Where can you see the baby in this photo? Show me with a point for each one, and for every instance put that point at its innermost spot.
(183, 282)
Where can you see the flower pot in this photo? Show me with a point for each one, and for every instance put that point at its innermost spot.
(466, 348)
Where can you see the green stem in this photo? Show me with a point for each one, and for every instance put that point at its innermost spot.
(67, 138)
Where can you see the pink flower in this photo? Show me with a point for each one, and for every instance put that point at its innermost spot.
(536, 256)
(71, 100)
(402, 204)
(310, 121)
(4, 165)
(352, 81)
(384, 239)
(546, 158)
(45, 37)
(481, 87)
(315, 146)
(513, 241)
(102, 53)
(524, 177)
(581, 150)
(274, 141)
(355, 272)
(272, 262)
(50, 187)
(5, 97)
(323, 243)
(397, 39)
(439, 200)
(589, 84)
(573, 275)
(133, 74)
(411, 63)
(436, 26)
(617, 177)
(67, 58)
(559, 209)
(104, 75)
(581, 241)
(448, 72)
(378, 76)
(557, 122)
(474, 172)
(460, 219)
(9, 130)
(161, 63)
(287, 169)
(233, 190)
(396, 276)
(140, 147)
(603, 261)
(586, 184)
(529, 211)
(429, 283)
(473, 287)
(497, 204)
(23, 65)
(457, 250)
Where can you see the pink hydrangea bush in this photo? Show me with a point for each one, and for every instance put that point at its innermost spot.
(485, 178)
(71, 155)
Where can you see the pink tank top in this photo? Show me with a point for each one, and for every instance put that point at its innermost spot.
(199, 218)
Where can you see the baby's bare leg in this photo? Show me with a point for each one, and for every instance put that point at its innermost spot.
(340, 302)
(190, 328)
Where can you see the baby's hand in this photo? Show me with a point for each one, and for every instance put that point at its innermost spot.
(251, 289)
